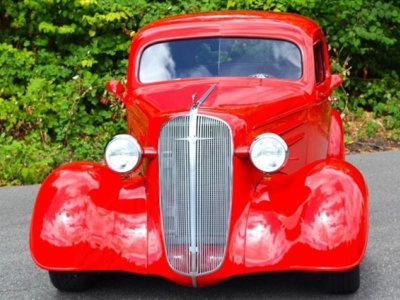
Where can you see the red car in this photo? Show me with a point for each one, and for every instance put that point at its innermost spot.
(233, 163)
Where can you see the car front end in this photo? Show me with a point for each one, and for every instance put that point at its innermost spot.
(226, 168)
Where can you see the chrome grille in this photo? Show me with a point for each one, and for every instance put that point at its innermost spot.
(195, 236)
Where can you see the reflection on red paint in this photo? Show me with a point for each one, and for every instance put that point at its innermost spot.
(330, 216)
(79, 220)
(154, 243)
(73, 218)
(266, 243)
(336, 144)
(237, 244)
(334, 211)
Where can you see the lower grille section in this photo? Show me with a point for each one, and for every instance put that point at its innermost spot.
(195, 189)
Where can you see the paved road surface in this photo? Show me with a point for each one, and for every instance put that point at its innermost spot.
(20, 278)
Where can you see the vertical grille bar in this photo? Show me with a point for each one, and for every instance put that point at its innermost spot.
(213, 172)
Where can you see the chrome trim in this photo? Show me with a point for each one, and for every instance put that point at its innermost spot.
(202, 99)
(132, 140)
(281, 141)
(195, 191)
(192, 139)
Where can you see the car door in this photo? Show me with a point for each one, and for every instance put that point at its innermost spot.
(320, 112)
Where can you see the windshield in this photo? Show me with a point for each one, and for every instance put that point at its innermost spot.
(262, 58)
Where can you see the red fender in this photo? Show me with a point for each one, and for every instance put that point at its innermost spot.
(86, 217)
(316, 219)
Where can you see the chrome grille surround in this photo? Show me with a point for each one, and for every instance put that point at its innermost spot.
(195, 164)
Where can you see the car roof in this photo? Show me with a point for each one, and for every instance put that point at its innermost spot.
(237, 19)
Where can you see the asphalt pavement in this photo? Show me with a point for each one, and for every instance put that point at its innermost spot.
(20, 278)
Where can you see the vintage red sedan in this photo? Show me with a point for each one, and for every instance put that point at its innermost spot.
(233, 163)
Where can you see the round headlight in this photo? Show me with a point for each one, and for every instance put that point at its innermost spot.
(269, 152)
(122, 153)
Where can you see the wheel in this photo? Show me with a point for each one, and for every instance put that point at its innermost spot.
(71, 281)
(345, 282)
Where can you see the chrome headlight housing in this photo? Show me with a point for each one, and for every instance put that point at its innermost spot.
(123, 153)
(269, 152)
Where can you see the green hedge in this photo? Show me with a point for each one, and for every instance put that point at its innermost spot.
(56, 56)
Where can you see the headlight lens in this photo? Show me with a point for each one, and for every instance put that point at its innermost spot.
(122, 153)
(269, 152)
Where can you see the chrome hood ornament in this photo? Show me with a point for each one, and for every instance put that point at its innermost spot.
(202, 99)
(192, 138)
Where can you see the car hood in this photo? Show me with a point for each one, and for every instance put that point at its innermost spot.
(252, 100)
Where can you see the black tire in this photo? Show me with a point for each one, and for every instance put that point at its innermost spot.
(71, 281)
(345, 282)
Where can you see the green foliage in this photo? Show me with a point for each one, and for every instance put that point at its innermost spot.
(56, 56)
(364, 44)
(27, 161)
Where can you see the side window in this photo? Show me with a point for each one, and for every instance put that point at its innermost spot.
(319, 63)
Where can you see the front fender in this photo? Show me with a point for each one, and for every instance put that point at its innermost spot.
(87, 218)
(315, 219)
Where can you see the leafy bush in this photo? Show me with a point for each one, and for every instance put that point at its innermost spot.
(364, 42)
(56, 56)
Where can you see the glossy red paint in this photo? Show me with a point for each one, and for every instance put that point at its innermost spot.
(326, 215)
(116, 87)
(85, 208)
(312, 215)
(336, 133)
